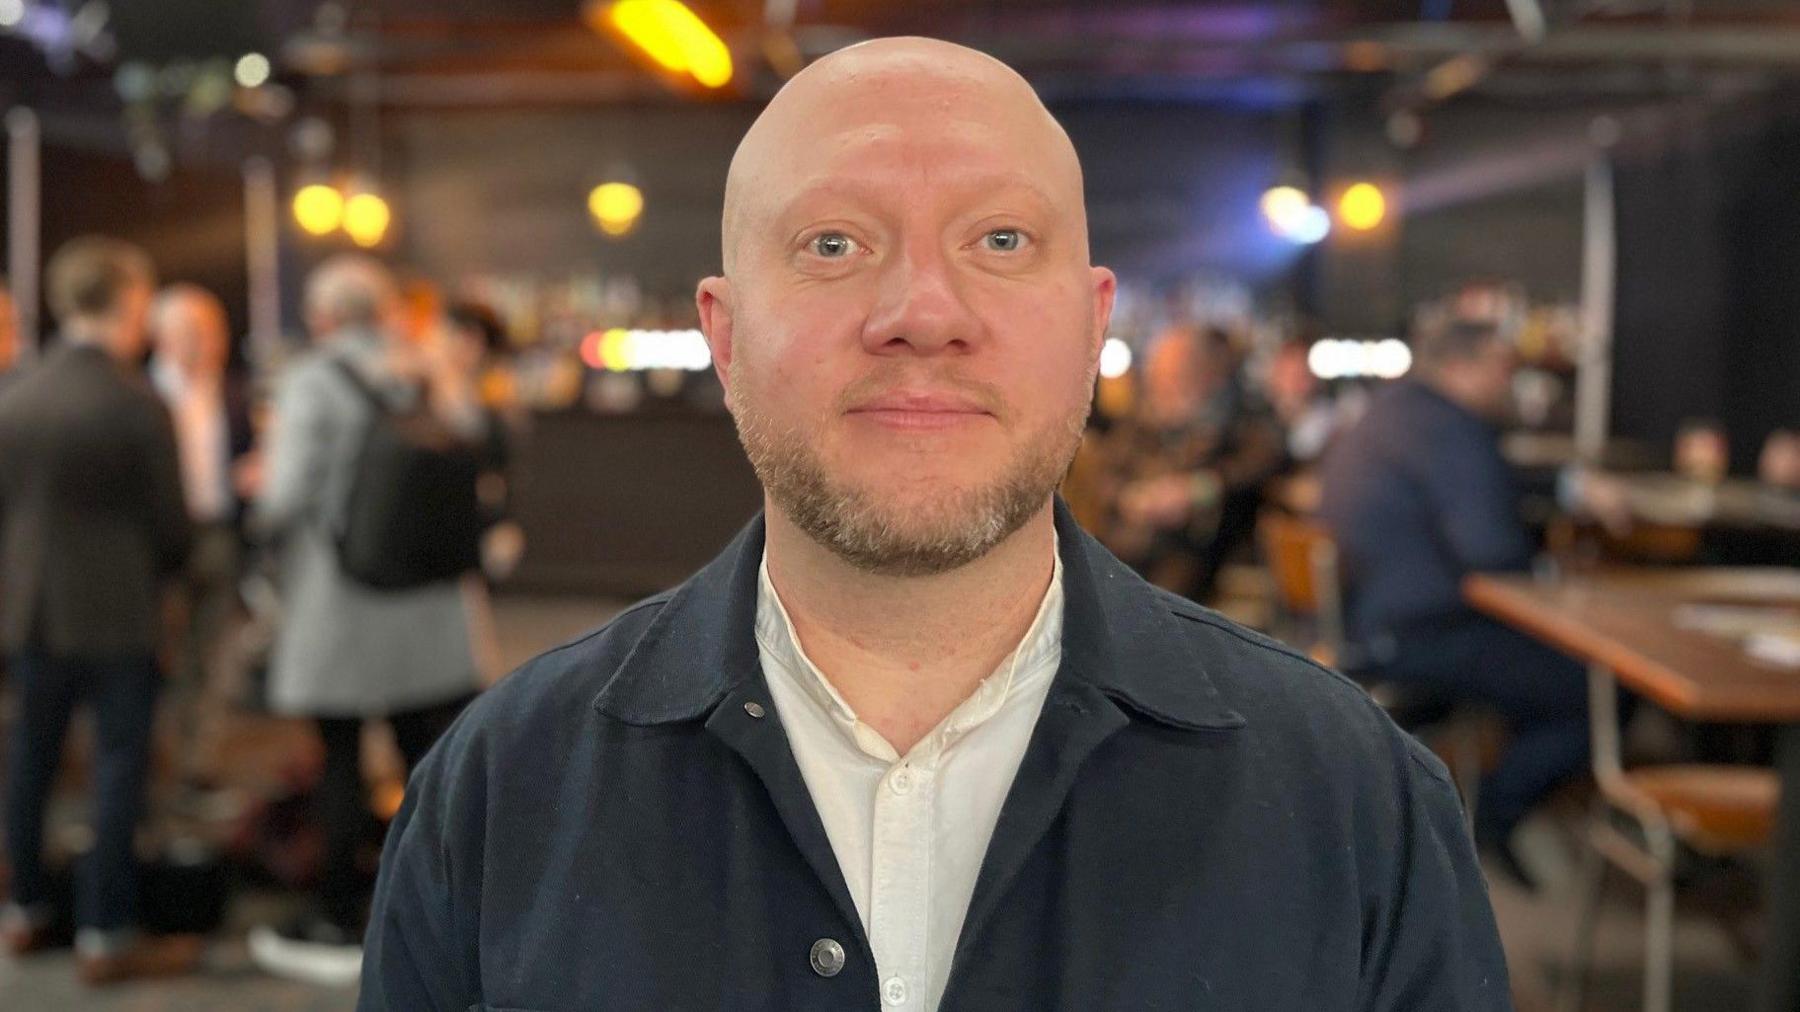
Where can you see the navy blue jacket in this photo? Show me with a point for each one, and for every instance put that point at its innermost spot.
(1417, 496)
(1202, 820)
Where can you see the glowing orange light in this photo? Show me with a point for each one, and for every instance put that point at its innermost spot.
(318, 208)
(616, 207)
(590, 350)
(1362, 207)
(366, 218)
(673, 36)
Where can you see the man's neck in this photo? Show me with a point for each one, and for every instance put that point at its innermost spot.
(905, 651)
(189, 381)
(92, 334)
(1447, 386)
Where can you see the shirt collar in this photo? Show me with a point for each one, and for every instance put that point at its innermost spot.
(174, 384)
(1019, 671)
(1139, 646)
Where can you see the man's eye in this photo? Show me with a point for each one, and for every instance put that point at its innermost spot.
(1004, 240)
(833, 245)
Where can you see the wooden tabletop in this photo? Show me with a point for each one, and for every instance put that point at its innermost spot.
(1638, 622)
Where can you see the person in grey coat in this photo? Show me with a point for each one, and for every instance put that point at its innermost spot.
(346, 652)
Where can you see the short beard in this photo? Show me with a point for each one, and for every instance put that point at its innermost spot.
(871, 535)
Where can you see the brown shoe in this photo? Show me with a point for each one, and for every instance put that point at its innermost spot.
(147, 956)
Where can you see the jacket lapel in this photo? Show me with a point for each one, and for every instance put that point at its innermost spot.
(1123, 657)
(698, 661)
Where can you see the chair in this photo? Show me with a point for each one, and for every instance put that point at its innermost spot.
(1303, 565)
(1716, 810)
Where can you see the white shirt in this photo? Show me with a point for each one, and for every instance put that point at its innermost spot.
(202, 439)
(910, 832)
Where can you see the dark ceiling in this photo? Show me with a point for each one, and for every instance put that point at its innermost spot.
(1276, 54)
(540, 50)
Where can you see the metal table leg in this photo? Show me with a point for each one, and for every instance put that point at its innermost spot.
(1781, 957)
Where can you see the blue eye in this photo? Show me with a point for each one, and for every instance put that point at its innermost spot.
(833, 245)
(1004, 240)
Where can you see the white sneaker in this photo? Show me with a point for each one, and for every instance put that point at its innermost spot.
(311, 951)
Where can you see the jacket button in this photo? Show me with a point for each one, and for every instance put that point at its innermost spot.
(827, 957)
(754, 709)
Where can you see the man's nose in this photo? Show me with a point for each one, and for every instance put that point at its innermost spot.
(922, 309)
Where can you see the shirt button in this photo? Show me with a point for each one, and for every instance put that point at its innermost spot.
(894, 991)
(827, 957)
(901, 781)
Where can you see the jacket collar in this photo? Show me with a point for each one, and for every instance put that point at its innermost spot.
(1120, 635)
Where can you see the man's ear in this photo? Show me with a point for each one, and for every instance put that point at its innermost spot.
(714, 300)
(1106, 287)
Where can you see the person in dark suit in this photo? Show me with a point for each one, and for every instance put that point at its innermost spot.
(93, 524)
(1417, 496)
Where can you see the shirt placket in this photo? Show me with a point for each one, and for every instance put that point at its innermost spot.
(900, 886)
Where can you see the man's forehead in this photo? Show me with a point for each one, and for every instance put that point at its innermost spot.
(928, 109)
(825, 190)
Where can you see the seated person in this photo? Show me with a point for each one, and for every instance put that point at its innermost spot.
(1417, 496)
(1185, 472)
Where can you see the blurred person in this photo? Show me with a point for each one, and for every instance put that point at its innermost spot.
(1190, 465)
(476, 349)
(191, 342)
(93, 527)
(1778, 465)
(782, 784)
(1418, 496)
(1309, 418)
(348, 652)
(1702, 451)
(9, 333)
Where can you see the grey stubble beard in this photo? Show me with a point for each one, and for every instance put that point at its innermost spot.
(869, 534)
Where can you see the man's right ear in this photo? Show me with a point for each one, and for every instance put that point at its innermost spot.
(713, 299)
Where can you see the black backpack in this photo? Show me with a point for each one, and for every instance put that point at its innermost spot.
(412, 516)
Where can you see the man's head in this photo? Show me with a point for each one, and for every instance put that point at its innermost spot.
(190, 331)
(99, 290)
(1186, 366)
(9, 327)
(1469, 361)
(352, 291)
(908, 327)
(475, 334)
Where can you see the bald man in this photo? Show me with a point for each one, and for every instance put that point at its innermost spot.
(191, 338)
(915, 740)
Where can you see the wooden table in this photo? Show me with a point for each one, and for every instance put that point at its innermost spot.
(1632, 623)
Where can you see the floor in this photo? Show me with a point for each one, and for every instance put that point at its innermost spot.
(1712, 976)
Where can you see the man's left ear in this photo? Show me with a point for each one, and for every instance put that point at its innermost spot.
(713, 300)
(1106, 287)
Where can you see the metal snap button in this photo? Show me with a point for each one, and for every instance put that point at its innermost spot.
(827, 957)
(754, 709)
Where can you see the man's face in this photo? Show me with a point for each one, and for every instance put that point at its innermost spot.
(1497, 364)
(133, 314)
(910, 330)
(193, 334)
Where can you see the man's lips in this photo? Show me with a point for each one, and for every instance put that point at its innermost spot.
(919, 410)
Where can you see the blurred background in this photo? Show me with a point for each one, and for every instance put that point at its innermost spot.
(1294, 195)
